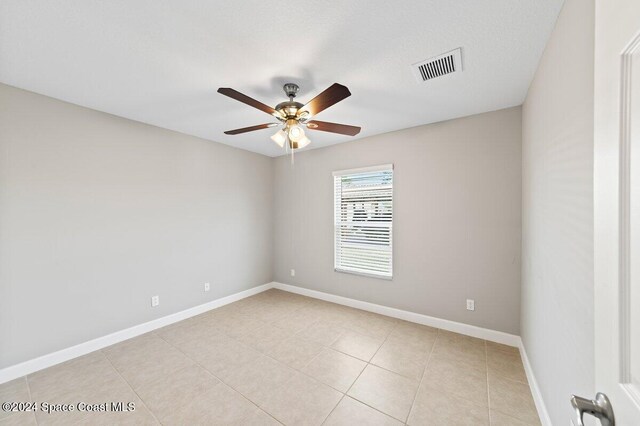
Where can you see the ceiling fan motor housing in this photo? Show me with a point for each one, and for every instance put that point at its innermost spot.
(289, 109)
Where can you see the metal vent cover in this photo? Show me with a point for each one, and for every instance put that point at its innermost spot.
(447, 63)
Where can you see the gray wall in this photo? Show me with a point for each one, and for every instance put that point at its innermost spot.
(99, 213)
(557, 243)
(457, 219)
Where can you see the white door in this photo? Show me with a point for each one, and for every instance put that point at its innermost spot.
(617, 206)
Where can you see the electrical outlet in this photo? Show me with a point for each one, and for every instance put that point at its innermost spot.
(471, 305)
(207, 286)
(155, 301)
(293, 272)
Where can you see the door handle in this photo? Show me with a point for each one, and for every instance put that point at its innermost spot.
(600, 408)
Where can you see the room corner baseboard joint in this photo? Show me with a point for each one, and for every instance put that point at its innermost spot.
(48, 360)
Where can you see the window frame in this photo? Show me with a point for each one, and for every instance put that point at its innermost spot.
(337, 221)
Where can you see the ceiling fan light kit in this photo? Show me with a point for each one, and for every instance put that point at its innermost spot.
(295, 132)
(279, 138)
(304, 141)
(293, 116)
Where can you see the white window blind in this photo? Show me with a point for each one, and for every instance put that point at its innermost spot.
(363, 207)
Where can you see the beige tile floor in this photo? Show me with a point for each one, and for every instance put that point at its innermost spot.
(280, 358)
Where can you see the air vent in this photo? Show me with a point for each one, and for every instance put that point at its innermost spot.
(447, 63)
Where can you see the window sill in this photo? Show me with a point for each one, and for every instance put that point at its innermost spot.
(364, 274)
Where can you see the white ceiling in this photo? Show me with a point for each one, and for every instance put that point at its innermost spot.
(161, 61)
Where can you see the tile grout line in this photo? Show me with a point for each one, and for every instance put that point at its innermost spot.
(131, 387)
(345, 394)
(26, 379)
(370, 364)
(295, 334)
(374, 355)
(508, 379)
(319, 320)
(218, 378)
(397, 322)
(330, 348)
(317, 355)
(424, 372)
(349, 356)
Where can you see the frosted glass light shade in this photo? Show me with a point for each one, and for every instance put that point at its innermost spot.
(304, 141)
(279, 138)
(296, 133)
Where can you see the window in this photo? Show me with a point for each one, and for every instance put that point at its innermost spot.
(363, 218)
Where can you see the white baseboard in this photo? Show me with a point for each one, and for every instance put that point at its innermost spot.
(456, 327)
(28, 367)
(466, 329)
(535, 390)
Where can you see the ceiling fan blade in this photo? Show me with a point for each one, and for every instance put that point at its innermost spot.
(331, 96)
(234, 94)
(325, 126)
(250, 129)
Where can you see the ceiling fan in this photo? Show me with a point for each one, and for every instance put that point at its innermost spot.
(293, 116)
